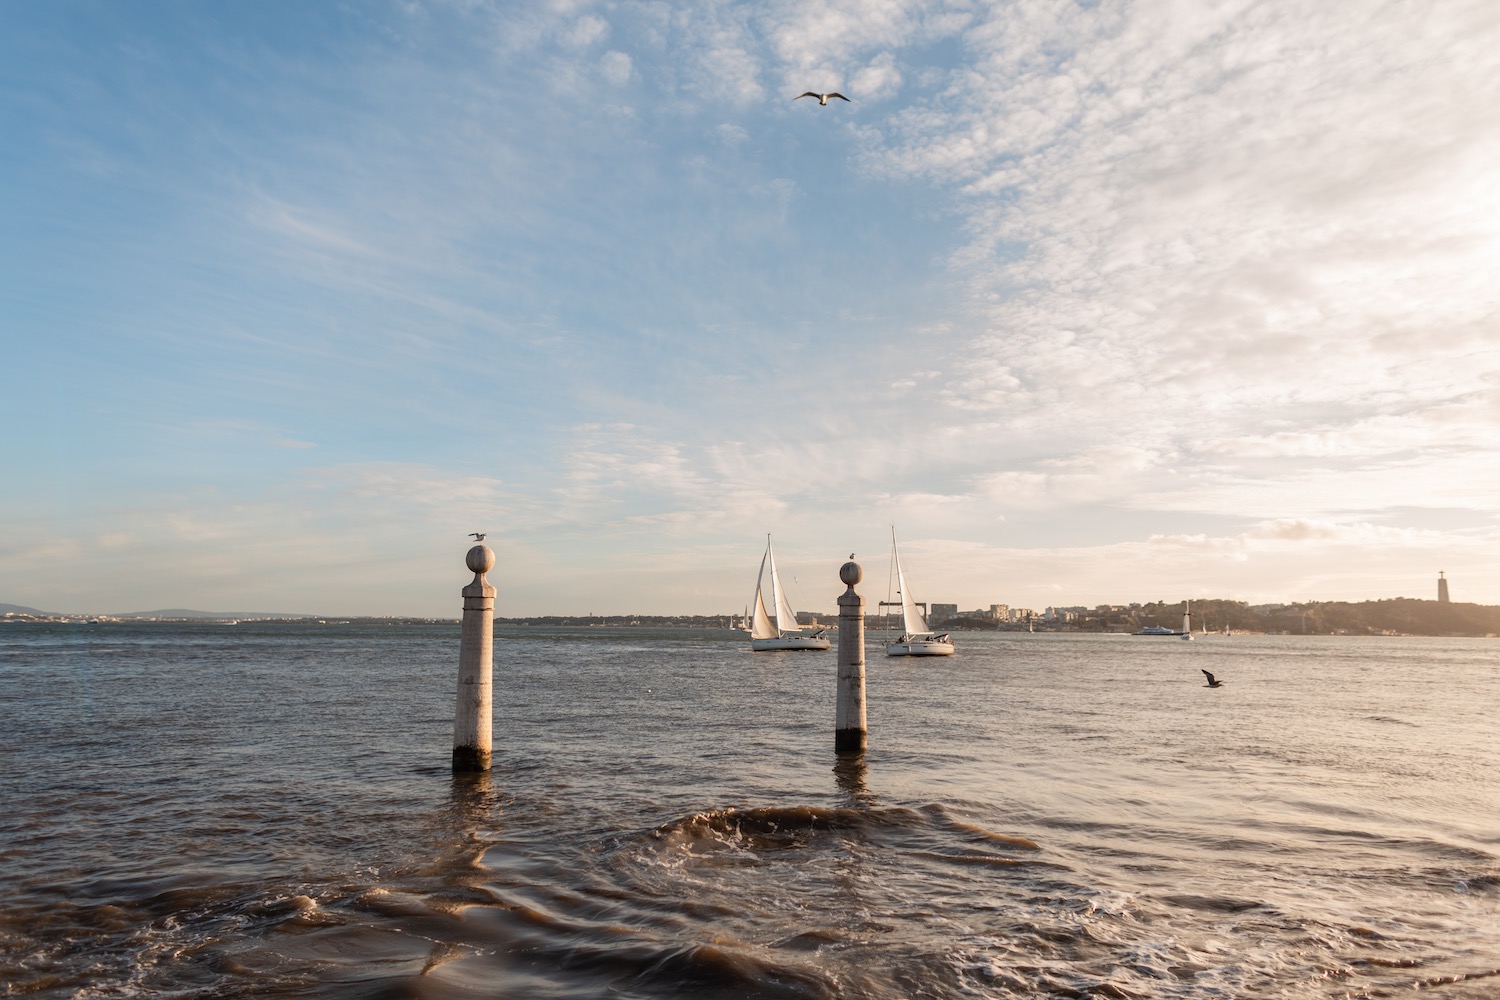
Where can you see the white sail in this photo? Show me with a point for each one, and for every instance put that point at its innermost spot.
(911, 619)
(786, 618)
(761, 626)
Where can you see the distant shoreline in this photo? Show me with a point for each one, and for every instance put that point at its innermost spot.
(1394, 618)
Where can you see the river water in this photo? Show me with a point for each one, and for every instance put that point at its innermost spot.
(267, 810)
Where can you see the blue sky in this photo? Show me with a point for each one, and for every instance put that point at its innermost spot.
(1093, 301)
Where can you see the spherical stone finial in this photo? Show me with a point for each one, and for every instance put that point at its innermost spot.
(850, 573)
(481, 559)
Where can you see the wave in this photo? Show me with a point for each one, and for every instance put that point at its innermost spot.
(762, 828)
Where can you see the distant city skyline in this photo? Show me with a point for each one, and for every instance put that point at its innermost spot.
(874, 609)
(1088, 300)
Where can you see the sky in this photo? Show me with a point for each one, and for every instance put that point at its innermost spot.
(1093, 301)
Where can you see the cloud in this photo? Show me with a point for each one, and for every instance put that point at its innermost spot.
(1185, 188)
(730, 134)
(810, 38)
(1229, 234)
(404, 487)
(1283, 533)
(1104, 474)
(297, 226)
(586, 31)
(879, 79)
(616, 67)
(1467, 480)
(1465, 424)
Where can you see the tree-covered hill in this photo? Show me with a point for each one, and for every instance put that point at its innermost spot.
(1404, 615)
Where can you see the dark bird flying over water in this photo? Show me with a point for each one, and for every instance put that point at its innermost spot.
(478, 536)
(822, 98)
(1211, 682)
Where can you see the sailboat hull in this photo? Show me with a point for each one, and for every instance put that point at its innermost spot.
(789, 642)
(919, 647)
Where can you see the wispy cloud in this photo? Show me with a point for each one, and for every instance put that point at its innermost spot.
(1198, 229)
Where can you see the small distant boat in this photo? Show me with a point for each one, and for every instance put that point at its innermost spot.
(777, 628)
(917, 639)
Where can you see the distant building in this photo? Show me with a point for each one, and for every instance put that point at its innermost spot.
(999, 612)
(943, 612)
(1442, 588)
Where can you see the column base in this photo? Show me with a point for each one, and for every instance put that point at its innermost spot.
(849, 740)
(467, 760)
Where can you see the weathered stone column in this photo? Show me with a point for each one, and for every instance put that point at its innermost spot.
(473, 718)
(849, 730)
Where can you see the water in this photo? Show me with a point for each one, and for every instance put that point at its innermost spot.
(266, 810)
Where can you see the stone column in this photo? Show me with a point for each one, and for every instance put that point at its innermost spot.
(849, 734)
(473, 718)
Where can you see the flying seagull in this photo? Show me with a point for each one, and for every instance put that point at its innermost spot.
(478, 536)
(822, 98)
(1211, 682)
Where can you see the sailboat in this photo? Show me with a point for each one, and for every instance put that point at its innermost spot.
(916, 639)
(777, 628)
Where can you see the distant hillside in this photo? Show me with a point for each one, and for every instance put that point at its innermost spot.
(16, 609)
(181, 614)
(1403, 615)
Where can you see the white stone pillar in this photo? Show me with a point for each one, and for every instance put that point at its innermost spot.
(849, 730)
(472, 720)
